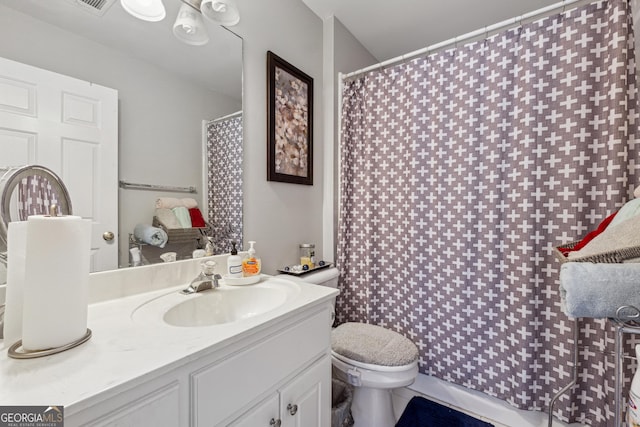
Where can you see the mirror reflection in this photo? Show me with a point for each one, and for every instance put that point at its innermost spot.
(169, 96)
(224, 196)
(29, 190)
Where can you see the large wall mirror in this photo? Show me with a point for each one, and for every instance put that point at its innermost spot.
(171, 97)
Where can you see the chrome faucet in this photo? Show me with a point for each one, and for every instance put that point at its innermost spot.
(205, 280)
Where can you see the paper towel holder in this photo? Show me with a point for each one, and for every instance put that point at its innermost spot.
(14, 352)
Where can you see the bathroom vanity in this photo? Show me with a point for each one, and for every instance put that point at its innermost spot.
(263, 361)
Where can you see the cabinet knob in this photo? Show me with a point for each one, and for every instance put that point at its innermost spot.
(275, 423)
(108, 236)
(293, 409)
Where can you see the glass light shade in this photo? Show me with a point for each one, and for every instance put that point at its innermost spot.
(189, 26)
(224, 12)
(147, 10)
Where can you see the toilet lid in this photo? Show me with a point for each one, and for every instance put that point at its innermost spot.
(373, 344)
(371, 366)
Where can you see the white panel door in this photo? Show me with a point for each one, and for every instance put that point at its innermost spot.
(71, 127)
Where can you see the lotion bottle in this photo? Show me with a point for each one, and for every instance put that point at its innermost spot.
(251, 264)
(234, 263)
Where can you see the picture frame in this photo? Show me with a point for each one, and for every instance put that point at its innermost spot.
(290, 123)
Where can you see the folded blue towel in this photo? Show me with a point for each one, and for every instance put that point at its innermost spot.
(150, 235)
(598, 290)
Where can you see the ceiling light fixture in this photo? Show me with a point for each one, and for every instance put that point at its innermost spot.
(224, 12)
(189, 26)
(147, 10)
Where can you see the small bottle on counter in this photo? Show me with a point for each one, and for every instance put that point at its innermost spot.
(208, 249)
(234, 263)
(308, 255)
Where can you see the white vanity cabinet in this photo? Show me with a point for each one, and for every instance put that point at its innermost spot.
(292, 362)
(281, 372)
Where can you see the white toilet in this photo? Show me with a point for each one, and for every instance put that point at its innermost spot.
(373, 359)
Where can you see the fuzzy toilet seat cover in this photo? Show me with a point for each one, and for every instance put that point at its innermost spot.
(373, 344)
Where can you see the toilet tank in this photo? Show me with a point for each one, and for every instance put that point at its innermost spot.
(325, 277)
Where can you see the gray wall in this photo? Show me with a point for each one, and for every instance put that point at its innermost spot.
(343, 53)
(279, 216)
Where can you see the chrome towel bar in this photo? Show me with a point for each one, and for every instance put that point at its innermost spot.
(150, 187)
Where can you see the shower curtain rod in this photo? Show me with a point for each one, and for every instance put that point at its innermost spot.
(228, 116)
(512, 22)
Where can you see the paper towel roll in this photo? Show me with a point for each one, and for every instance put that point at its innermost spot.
(16, 252)
(55, 299)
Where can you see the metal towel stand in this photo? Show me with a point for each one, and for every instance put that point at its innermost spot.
(574, 373)
(627, 322)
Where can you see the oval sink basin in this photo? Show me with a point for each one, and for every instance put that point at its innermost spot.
(224, 305)
(217, 306)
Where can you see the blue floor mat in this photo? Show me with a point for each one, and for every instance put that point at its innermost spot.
(421, 412)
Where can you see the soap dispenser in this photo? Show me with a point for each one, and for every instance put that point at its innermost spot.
(234, 263)
(251, 264)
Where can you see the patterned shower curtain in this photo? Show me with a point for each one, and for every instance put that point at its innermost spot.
(224, 192)
(459, 173)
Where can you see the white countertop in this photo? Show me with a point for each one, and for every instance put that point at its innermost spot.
(122, 350)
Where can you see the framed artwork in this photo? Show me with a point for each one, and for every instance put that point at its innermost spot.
(290, 123)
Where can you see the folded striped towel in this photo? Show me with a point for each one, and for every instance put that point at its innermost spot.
(615, 237)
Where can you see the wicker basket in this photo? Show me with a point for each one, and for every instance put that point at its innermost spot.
(179, 235)
(613, 257)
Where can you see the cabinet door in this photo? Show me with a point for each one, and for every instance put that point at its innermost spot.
(261, 414)
(306, 401)
(160, 408)
(222, 389)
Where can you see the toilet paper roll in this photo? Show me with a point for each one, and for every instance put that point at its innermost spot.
(55, 299)
(16, 252)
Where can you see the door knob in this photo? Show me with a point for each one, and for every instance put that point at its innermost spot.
(275, 423)
(108, 236)
(293, 409)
